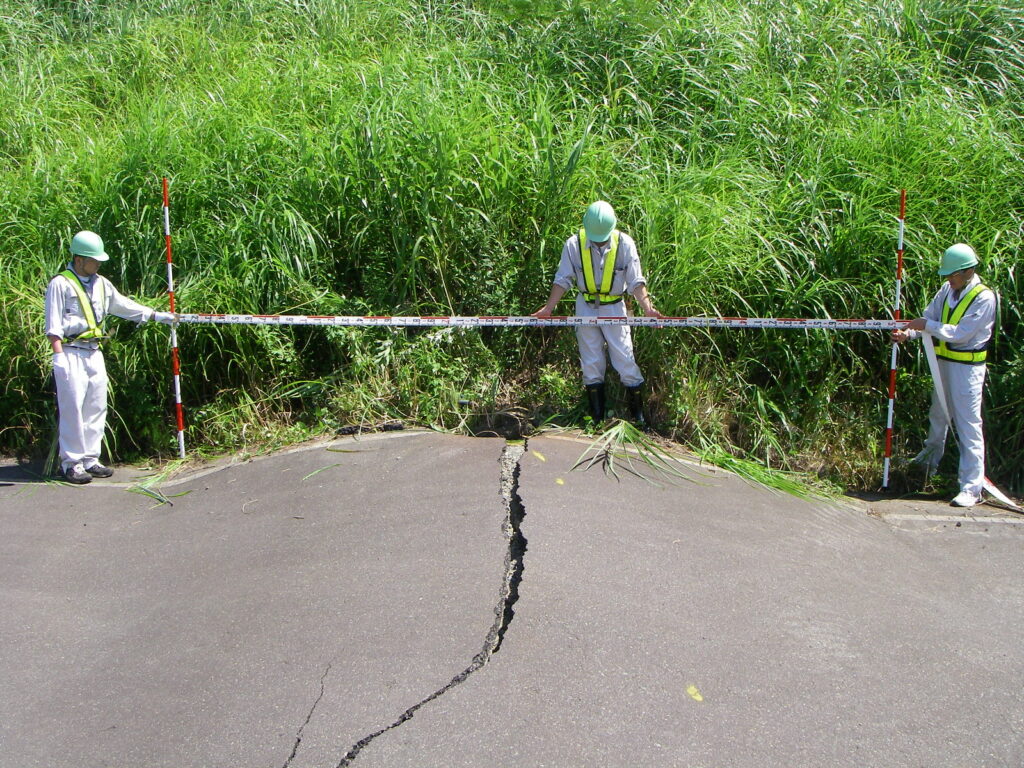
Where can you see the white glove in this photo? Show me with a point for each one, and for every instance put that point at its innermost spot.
(165, 317)
(60, 364)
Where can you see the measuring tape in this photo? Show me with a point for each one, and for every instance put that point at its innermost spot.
(519, 321)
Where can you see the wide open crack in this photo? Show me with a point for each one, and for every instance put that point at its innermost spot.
(503, 611)
(515, 558)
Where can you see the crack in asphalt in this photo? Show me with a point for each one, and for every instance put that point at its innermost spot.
(515, 558)
(298, 736)
(503, 612)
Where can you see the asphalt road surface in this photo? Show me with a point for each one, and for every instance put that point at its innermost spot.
(417, 599)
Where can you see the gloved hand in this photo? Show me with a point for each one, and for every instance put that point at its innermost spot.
(60, 365)
(165, 317)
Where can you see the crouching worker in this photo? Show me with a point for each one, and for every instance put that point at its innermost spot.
(603, 265)
(77, 302)
(961, 318)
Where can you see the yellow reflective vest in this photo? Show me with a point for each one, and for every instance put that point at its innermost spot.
(607, 275)
(95, 330)
(970, 356)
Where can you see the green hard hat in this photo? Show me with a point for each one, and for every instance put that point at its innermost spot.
(599, 221)
(957, 257)
(88, 244)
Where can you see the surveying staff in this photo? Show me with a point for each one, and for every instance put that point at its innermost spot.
(603, 265)
(77, 302)
(961, 317)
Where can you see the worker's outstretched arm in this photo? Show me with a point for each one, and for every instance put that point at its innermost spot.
(557, 292)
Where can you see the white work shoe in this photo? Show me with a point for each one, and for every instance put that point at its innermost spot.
(965, 499)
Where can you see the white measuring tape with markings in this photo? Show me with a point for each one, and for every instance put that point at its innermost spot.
(520, 321)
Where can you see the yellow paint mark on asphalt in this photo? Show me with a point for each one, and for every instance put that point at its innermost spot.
(560, 481)
(694, 693)
(538, 455)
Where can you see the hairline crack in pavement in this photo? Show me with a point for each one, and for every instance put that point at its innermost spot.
(298, 736)
(504, 612)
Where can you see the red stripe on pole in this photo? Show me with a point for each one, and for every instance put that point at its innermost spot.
(178, 411)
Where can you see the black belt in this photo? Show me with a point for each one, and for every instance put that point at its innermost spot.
(613, 300)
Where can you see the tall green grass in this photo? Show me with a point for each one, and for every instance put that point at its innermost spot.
(332, 157)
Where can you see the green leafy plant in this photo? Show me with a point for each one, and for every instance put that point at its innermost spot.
(620, 446)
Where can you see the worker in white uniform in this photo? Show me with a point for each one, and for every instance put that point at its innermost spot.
(77, 301)
(602, 264)
(961, 318)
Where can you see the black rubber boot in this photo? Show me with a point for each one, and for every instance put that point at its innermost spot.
(635, 406)
(595, 399)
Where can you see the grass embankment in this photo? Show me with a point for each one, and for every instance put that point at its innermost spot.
(407, 157)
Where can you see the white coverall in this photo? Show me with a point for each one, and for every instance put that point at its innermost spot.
(79, 371)
(962, 382)
(592, 340)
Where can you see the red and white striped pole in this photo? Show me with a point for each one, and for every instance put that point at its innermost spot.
(175, 366)
(895, 347)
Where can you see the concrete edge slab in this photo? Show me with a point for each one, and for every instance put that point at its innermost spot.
(304, 448)
(954, 518)
(187, 474)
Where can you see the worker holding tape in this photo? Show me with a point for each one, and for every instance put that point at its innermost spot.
(77, 302)
(602, 264)
(961, 318)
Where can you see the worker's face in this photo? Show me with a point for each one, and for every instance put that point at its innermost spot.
(958, 280)
(85, 266)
